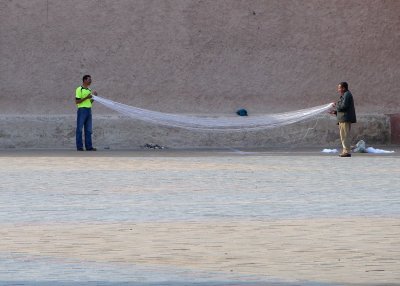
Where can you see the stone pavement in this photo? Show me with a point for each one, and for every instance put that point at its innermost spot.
(198, 218)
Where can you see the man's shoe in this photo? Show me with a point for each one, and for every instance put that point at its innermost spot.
(345, 155)
(79, 149)
(92, 149)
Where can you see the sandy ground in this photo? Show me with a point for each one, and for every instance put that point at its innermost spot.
(350, 250)
(291, 151)
(354, 248)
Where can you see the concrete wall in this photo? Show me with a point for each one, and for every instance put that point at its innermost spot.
(113, 132)
(199, 56)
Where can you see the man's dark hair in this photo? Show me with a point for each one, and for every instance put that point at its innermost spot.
(85, 77)
(345, 85)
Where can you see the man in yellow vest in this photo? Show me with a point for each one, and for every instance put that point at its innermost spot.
(83, 100)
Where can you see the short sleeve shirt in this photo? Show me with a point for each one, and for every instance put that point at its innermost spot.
(82, 92)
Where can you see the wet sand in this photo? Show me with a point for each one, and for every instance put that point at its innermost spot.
(214, 217)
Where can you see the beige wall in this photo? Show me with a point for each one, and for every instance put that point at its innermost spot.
(199, 56)
(203, 56)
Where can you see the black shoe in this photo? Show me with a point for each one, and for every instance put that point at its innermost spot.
(345, 155)
(79, 149)
(91, 149)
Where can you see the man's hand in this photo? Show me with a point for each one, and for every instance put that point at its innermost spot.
(333, 109)
(91, 96)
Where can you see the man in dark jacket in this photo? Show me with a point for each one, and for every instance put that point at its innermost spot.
(346, 115)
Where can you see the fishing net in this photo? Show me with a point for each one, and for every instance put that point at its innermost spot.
(214, 123)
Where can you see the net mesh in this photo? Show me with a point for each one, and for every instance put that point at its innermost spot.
(215, 123)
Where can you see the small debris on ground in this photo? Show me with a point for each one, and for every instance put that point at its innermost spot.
(152, 146)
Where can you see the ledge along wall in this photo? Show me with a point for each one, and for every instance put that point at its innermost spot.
(196, 57)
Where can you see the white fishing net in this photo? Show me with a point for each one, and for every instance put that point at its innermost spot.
(215, 123)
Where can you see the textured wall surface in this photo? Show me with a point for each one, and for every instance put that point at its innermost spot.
(121, 133)
(199, 56)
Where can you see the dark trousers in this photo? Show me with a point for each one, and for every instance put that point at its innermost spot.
(84, 121)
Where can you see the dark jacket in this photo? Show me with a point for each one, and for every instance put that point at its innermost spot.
(345, 108)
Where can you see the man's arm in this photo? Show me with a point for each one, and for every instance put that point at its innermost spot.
(344, 104)
(94, 93)
(80, 100)
(333, 109)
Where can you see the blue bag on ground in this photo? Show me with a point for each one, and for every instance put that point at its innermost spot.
(241, 112)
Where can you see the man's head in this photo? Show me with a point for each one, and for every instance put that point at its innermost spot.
(87, 80)
(343, 87)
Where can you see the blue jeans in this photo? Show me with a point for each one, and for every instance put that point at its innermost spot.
(84, 120)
